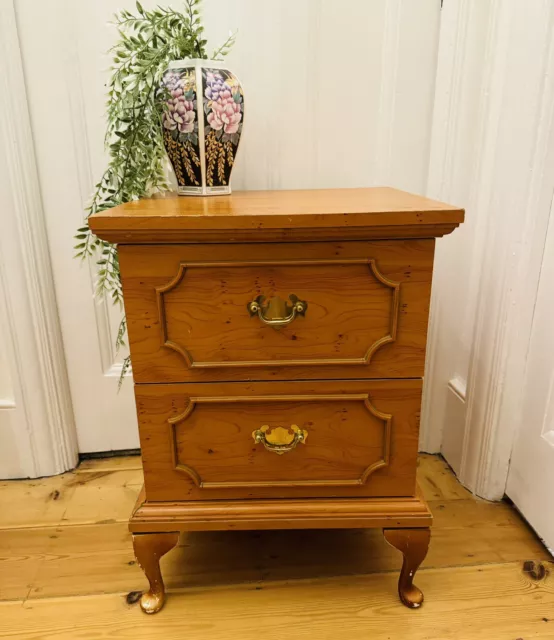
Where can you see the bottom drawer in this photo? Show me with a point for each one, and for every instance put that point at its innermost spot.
(279, 439)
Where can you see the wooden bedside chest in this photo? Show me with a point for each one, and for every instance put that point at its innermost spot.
(278, 348)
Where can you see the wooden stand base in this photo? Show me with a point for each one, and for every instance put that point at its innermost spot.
(149, 548)
(413, 543)
(156, 525)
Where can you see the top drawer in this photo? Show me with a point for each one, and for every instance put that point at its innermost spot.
(228, 312)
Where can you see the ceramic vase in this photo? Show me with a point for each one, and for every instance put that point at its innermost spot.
(202, 124)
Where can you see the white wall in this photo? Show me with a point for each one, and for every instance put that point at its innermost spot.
(490, 152)
(457, 140)
(337, 94)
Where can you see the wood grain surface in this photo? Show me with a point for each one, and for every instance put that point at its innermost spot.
(149, 548)
(486, 577)
(368, 306)
(491, 602)
(45, 555)
(210, 462)
(414, 545)
(330, 214)
(307, 513)
(197, 440)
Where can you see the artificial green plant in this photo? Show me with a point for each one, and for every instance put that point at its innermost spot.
(148, 41)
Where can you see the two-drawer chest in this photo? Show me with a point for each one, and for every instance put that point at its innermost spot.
(278, 348)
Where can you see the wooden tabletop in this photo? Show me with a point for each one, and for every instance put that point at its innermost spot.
(325, 214)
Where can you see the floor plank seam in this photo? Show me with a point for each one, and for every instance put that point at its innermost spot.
(267, 584)
(31, 587)
(67, 525)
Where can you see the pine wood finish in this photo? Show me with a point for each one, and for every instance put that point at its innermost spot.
(413, 544)
(277, 216)
(238, 515)
(149, 549)
(367, 315)
(197, 439)
(278, 344)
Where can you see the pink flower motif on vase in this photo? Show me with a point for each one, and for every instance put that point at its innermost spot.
(223, 116)
(180, 125)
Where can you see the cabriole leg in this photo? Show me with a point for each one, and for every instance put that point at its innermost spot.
(149, 548)
(413, 544)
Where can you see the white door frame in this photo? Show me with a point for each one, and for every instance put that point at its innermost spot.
(39, 437)
(509, 190)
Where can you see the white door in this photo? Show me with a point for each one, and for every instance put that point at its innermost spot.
(531, 476)
(338, 95)
(63, 44)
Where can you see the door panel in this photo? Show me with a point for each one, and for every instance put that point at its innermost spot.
(531, 476)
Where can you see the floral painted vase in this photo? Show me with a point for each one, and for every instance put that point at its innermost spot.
(202, 124)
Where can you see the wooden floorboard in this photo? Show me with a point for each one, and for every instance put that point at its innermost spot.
(105, 490)
(494, 602)
(69, 499)
(52, 561)
(66, 565)
(116, 463)
(437, 480)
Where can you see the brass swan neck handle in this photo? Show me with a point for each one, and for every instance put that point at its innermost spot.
(280, 440)
(277, 312)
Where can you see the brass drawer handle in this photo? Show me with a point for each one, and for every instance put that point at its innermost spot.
(280, 440)
(276, 312)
